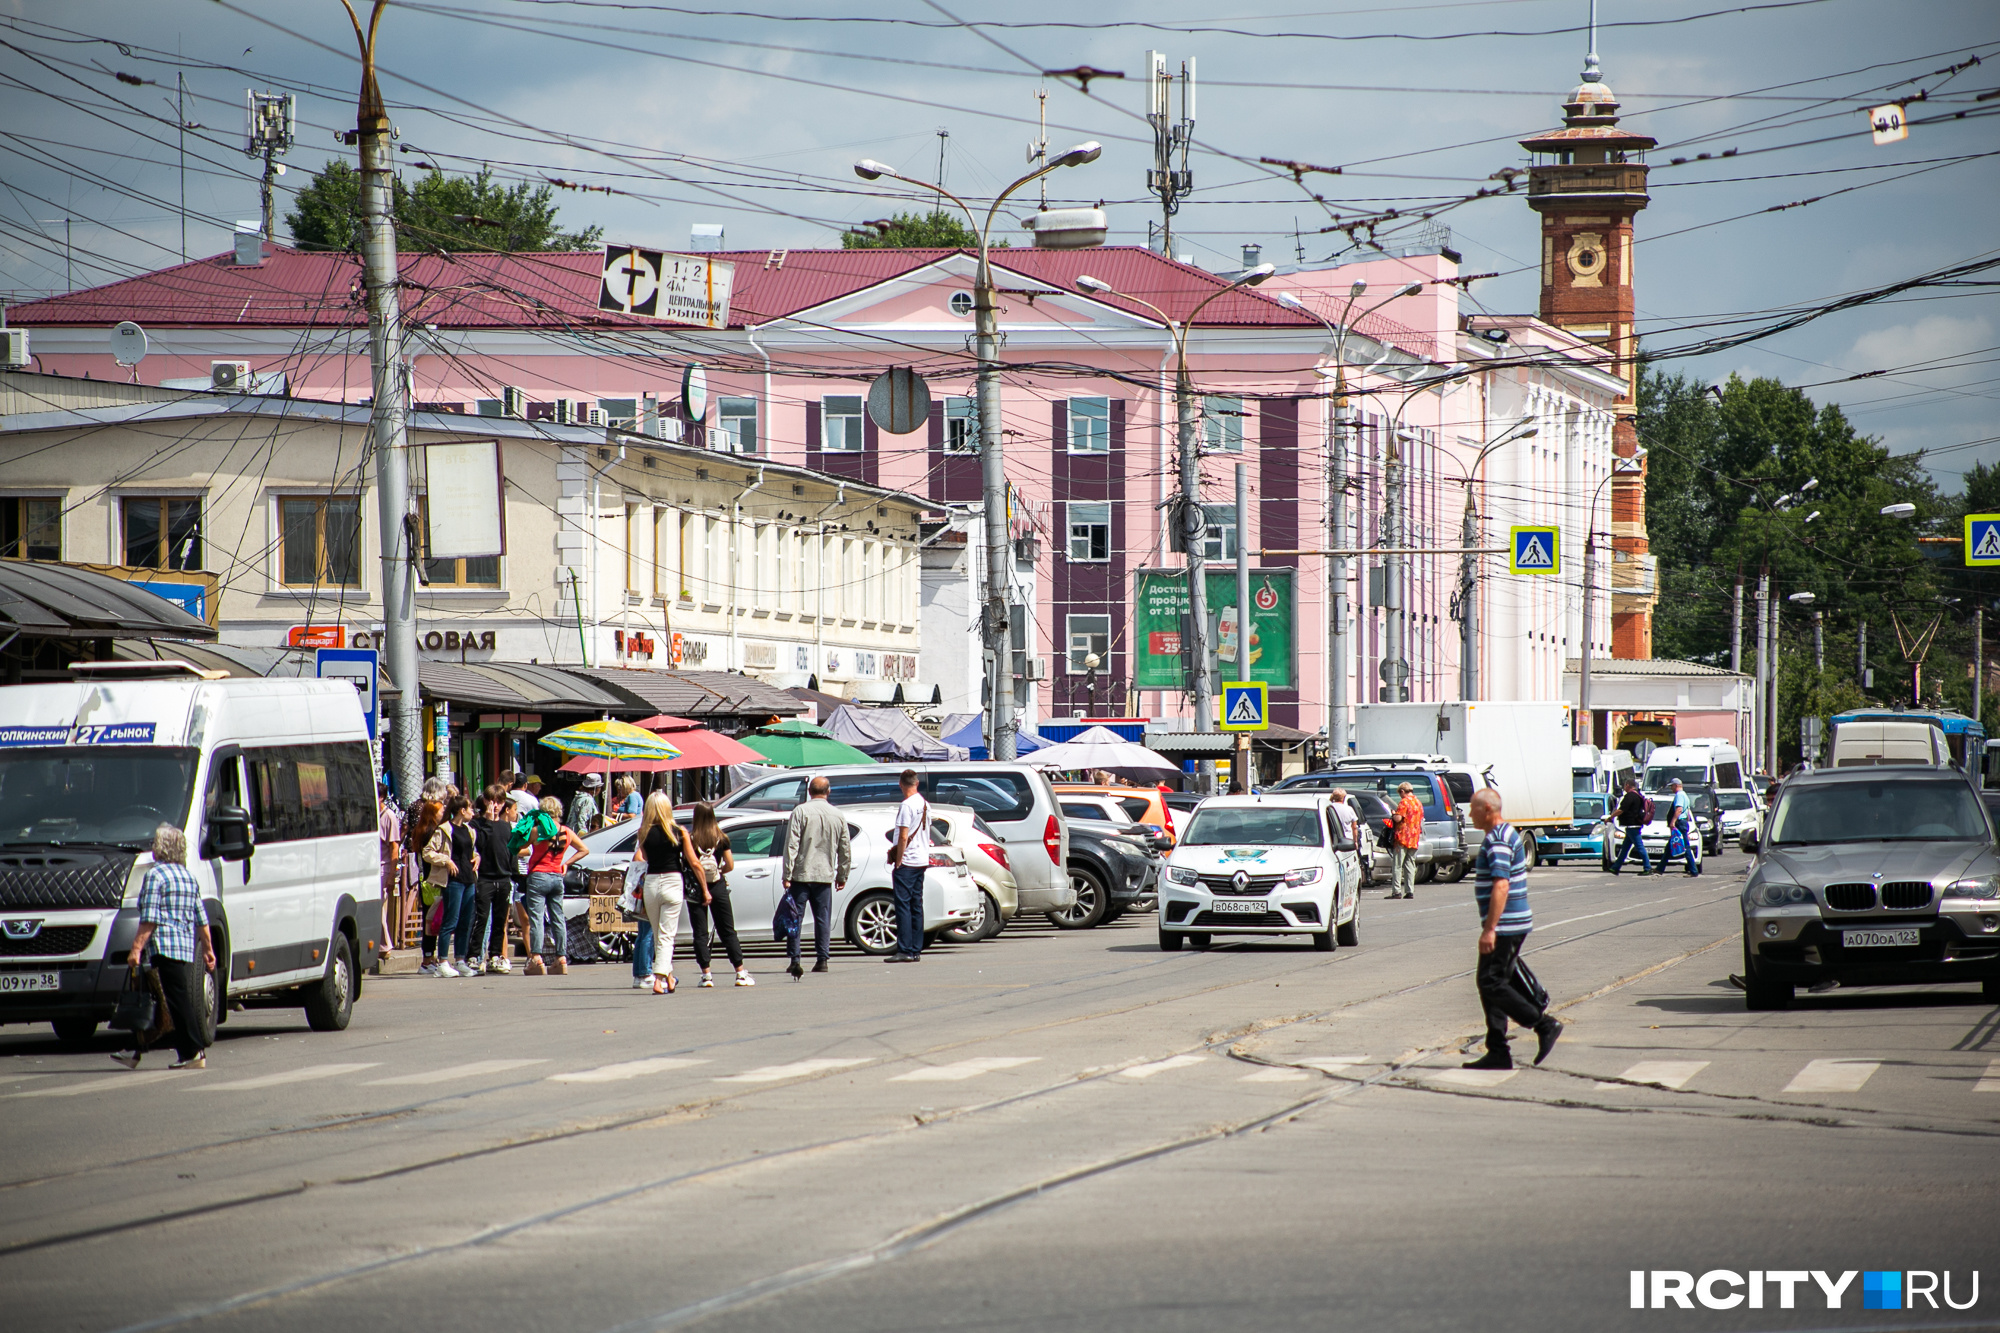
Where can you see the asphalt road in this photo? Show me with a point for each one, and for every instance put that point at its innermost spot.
(1046, 1131)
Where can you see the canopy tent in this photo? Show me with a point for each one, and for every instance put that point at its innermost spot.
(796, 744)
(968, 731)
(888, 733)
(1103, 748)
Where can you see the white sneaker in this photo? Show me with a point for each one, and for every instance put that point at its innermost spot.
(745, 979)
(638, 983)
(501, 965)
(707, 982)
(445, 969)
(428, 970)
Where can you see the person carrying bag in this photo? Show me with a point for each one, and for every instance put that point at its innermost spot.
(173, 933)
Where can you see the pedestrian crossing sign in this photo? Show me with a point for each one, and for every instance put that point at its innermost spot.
(1246, 705)
(1535, 551)
(1982, 539)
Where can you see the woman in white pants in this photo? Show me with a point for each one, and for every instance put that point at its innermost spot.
(670, 863)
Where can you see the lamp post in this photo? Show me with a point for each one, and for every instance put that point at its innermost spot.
(1393, 509)
(992, 463)
(1618, 465)
(1468, 606)
(1336, 507)
(1193, 521)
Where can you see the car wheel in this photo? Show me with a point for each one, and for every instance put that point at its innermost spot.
(1093, 900)
(75, 1033)
(212, 1000)
(1531, 851)
(978, 926)
(1427, 872)
(1170, 940)
(1323, 941)
(1348, 932)
(871, 924)
(610, 946)
(330, 1000)
(1198, 938)
(1368, 871)
(1760, 991)
(1459, 869)
(1989, 990)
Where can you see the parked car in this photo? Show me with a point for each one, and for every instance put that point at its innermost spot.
(1262, 865)
(1182, 803)
(1707, 823)
(961, 827)
(1377, 837)
(1142, 805)
(1588, 835)
(1016, 801)
(1739, 809)
(1110, 810)
(1873, 877)
(1440, 850)
(1111, 873)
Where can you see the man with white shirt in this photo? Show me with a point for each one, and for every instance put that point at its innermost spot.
(911, 857)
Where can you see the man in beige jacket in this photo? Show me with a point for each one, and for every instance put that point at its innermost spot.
(818, 859)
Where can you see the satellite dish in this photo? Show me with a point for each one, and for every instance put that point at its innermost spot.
(128, 343)
(694, 392)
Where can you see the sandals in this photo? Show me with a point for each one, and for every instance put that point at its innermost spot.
(672, 984)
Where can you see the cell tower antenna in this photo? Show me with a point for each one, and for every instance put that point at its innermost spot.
(1170, 177)
(1038, 151)
(270, 126)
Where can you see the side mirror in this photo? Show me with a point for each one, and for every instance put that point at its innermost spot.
(229, 834)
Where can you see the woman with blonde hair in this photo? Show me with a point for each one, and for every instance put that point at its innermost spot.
(670, 860)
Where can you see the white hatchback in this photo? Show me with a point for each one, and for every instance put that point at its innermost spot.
(1262, 865)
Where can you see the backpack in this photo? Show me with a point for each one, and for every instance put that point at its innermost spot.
(1649, 809)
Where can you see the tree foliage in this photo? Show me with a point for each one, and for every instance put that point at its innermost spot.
(935, 230)
(438, 212)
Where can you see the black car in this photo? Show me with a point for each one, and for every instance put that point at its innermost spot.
(1113, 873)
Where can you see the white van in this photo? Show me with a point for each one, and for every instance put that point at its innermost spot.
(1890, 741)
(273, 782)
(1592, 769)
(1697, 763)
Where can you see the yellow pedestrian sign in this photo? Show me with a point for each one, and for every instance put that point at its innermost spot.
(1982, 539)
(1534, 551)
(1246, 705)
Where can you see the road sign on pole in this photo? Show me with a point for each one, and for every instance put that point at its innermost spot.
(360, 668)
(899, 401)
(1982, 539)
(1534, 550)
(1246, 705)
(658, 284)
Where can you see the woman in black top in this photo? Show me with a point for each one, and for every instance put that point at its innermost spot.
(455, 928)
(712, 852)
(495, 886)
(670, 864)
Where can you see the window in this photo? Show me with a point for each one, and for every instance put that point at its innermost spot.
(961, 425)
(666, 553)
(311, 791)
(1088, 634)
(622, 412)
(30, 527)
(1089, 531)
(1220, 541)
(163, 532)
(778, 794)
(481, 571)
(634, 523)
(320, 539)
(961, 304)
(737, 426)
(840, 425)
(1089, 425)
(1001, 797)
(1222, 425)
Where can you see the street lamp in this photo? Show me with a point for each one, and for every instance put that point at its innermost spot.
(1618, 465)
(1336, 516)
(1393, 534)
(1192, 518)
(992, 463)
(1468, 665)
(1903, 509)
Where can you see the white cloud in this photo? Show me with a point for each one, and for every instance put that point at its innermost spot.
(1930, 339)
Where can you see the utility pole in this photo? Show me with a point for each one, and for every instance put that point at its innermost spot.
(1978, 659)
(1239, 768)
(272, 118)
(1194, 525)
(387, 423)
(1583, 711)
(1468, 604)
(1395, 664)
(1819, 642)
(1336, 520)
(1170, 182)
(1757, 736)
(1736, 627)
(1861, 657)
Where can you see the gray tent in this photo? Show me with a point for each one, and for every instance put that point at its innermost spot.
(887, 733)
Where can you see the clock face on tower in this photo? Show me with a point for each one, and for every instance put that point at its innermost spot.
(1586, 259)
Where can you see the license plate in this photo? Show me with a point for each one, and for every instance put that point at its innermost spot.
(1880, 939)
(13, 982)
(1239, 905)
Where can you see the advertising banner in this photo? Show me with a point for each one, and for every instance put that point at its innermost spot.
(1160, 605)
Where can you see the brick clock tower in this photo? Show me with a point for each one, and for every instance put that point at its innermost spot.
(1588, 180)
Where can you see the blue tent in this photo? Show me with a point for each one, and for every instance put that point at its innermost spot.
(970, 732)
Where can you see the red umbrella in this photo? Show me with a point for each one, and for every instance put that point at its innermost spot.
(665, 722)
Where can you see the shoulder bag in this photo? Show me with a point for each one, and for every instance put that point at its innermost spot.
(1530, 985)
(138, 1009)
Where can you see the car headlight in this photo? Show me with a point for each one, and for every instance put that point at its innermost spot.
(1309, 875)
(1182, 875)
(1773, 894)
(1985, 886)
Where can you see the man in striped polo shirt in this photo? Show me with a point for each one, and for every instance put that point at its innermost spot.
(1504, 923)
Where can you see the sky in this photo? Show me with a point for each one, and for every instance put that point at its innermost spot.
(753, 119)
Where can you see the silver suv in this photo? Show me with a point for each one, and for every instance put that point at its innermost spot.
(1873, 877)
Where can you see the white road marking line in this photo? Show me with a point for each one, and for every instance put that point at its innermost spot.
(1276, 1076)
(797, 1069)
(1833, 1076)
(132, 1080)
(1332, 1064)
(964, 1069)
(1160, 1066)
(451, 1072)
(1665, 1073)
(304, 1074)
(624, 1070)
(1473, 1078)
(1991, 1083)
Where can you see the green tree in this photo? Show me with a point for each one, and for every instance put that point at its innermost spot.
(438, 212)
(935, 230)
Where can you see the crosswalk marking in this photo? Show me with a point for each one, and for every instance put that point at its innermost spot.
(1160, 1066)
(964, 1069)
(452, 1072)
(303, 1074)
(1990, 1083)
(796, 1069)
(1833, 1076)
(1665, 1073)
(1277, 1076)
(625, 1069)
(1473, 1078)
(1332, 1064)
(132, 1080)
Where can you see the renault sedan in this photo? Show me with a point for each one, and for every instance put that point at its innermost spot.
(1262, 865)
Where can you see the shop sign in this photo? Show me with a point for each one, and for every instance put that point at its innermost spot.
(1162, 602)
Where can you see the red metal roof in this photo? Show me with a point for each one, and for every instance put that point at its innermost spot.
(559, 289)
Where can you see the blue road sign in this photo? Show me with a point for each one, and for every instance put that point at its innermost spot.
(1246, 705)
(1534, 551)
(360, 668)
(1982, 539)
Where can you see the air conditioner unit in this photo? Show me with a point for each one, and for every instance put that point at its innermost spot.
(596, 416)
(229, 376)
(1033, 668)
(566, 412)
(13, 347)
(514, 403)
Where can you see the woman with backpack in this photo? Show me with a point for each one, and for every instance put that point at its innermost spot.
(713, 854)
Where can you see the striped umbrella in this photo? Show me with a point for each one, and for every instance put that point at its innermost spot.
(610, 740)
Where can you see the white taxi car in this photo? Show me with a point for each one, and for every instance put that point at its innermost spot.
(1262, 865)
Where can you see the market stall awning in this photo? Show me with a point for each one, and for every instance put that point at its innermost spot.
(46, 600)
(702, 695)
(888, 733)
(236, 659)
(554, 690)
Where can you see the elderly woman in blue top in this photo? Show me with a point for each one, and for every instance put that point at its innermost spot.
(174, 923)
(1504, 923)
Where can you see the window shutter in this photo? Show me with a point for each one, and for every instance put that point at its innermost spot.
(813, 441)
(1117, 425)
(1059, 425)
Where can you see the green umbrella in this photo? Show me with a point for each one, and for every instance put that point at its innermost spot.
(789, 747)
(794, 726)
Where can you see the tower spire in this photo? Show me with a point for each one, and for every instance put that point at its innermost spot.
(1591, 72)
